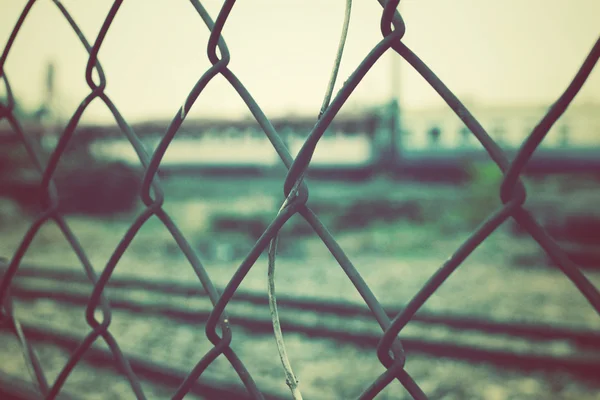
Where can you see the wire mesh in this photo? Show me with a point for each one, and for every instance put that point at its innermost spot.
(389, 350)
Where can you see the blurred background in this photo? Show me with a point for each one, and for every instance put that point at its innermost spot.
(398, 179)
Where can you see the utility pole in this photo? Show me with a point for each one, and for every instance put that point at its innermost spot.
(394, 142)
(49, 113)
(389, 144)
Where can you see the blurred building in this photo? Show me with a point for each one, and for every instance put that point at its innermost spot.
(432, 138)
(508, 125)
(347, 143)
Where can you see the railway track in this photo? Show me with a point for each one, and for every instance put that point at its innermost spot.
(502, 344)
(167, 377)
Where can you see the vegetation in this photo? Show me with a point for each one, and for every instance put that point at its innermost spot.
(481, 193)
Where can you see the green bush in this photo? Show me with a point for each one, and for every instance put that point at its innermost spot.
(100, 189)
(481, 193)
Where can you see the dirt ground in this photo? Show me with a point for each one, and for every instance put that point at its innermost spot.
(394, 256)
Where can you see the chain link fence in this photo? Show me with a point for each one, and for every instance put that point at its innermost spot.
(389, 350)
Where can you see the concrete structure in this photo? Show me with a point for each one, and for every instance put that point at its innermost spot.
(427, 140)
(508, 125)
(242, 144)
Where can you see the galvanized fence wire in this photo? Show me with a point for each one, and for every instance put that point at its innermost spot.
(389, 350)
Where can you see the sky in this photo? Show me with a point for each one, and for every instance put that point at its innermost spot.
(510, 51)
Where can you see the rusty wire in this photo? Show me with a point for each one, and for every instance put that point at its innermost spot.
(390, 350)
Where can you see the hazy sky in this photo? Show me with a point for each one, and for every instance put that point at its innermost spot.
(283, 50)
